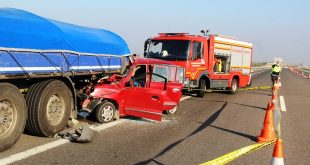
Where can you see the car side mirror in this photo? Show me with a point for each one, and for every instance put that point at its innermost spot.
(127, 84)
(130, 83)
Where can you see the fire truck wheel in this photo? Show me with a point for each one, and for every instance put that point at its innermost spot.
(13, 115)
(202, 88)
(104, 112)
(234, 86)
(172, 111)
(49, 107)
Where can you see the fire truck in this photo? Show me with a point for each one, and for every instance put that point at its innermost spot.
(212, 62)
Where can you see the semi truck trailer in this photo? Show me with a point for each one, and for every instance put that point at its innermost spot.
(43, 63)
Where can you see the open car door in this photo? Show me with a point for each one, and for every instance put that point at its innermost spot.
(144, 102)
(174, 85)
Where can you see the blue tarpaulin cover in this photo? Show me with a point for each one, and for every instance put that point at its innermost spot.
(22, 29)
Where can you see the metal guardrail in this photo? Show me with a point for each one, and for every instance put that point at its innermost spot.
(303, 70)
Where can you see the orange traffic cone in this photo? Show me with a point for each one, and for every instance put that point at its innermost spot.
(274, 95)
(268, 131)
(277, 156)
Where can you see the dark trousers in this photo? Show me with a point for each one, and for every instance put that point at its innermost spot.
(274, 78)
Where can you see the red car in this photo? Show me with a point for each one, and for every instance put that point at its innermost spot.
(147, 88)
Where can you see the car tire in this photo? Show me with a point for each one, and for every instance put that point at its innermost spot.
(202, 88)
(105, 112)
(172, 111)
(13, 115)
(49, 107)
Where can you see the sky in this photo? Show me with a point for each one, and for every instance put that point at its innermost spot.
(277, 28)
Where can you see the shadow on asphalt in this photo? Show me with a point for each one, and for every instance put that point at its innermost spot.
(253, 138)
(252, 106)
(204, 125)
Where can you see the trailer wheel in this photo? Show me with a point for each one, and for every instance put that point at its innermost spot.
(202, 88)
(173, 111)
(234, 86)
(104, 112)
(49, 107)
(13, 115)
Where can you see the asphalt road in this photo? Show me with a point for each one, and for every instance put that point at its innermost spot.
(204, 129)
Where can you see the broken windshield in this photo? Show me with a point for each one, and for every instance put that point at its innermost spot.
(168, 49)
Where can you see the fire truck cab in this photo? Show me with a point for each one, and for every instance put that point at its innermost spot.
(211, 61)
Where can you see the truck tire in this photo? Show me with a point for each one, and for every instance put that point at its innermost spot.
(49, 107)
(234, 86)
(202, 88)
(13, 115)
(104, 112)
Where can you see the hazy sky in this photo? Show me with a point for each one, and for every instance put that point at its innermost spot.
(278, 28)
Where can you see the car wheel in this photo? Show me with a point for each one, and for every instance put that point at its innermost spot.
(172, 111)
(104, 112)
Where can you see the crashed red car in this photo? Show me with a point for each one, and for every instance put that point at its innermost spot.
(146, 89)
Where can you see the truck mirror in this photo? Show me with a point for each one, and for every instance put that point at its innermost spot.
(146, 44)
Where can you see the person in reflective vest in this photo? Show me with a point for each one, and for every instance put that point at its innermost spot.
(275, 72)
(219, 67)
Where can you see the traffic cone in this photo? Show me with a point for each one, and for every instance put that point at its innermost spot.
(277, 156)
(274, 93)
(268, 131)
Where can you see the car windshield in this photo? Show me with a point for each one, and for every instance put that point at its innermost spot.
(173, 50)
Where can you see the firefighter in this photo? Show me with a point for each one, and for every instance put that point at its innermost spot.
(219, 66)
(275, 72)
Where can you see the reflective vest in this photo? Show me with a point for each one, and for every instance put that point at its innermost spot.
(276, 69)
(219, 65)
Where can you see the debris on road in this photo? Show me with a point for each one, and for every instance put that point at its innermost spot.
(82, 134)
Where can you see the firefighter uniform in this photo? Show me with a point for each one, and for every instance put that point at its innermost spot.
(219, 67)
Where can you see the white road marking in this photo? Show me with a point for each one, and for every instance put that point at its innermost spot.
(39, 149)
(36, 150)
(282, 104)
(258, 72)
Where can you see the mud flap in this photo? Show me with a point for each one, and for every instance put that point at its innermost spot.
(83, 134)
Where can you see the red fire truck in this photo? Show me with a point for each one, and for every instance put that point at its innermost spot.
(212, 62)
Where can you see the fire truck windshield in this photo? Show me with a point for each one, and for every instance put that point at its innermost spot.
(172, 50)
